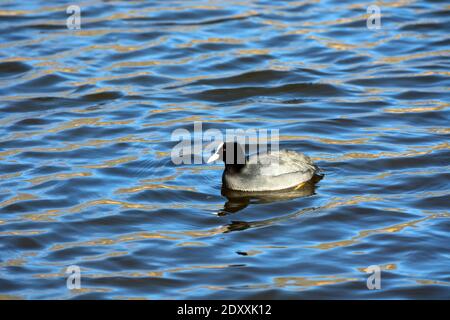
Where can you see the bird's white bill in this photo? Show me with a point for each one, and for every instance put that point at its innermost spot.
(213, 158)
(216, 155)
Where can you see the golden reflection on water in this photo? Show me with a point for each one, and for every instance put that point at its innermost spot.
(94, 80)
(403, 58)
(111, 163)
(366, 233)
(210, 40)
(192, 244)
(21, 232)
(286, 282)
(76, 146)
(58, 176)
(10, 175)
(47, 216)
(89, 290)
(388, 266)
(324, 140)
(313, 281)
(161, 179)
(106, 255)
(153, 187)
(51, 215)
(411, 152)
(440, 130)
(73, 124)
(10, 297)
(432, 282)
(13, 263)
(139, 236)
(385, 175)
(19, 197)
(252, 51)
(123, 204)
(410, 110)
(90, 274)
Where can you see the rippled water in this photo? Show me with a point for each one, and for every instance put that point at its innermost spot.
(86, 178)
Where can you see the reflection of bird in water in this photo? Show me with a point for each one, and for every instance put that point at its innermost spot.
(238, 200)
(243, 225)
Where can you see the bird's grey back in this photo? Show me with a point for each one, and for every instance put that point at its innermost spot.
(272, 171)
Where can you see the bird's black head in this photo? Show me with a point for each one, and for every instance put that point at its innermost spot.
(232, 154)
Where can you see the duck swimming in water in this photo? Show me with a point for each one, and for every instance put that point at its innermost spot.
(272, 171)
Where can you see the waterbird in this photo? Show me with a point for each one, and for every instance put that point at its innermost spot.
(268, 171)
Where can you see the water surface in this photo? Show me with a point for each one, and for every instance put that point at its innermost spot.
(86, 178)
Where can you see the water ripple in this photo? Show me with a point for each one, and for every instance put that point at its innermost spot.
(86, 178)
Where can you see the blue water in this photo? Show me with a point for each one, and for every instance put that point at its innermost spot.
(86, 177)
